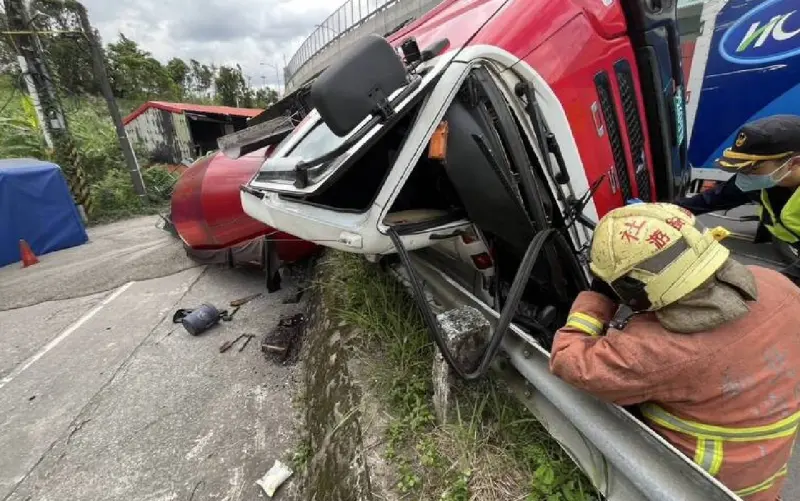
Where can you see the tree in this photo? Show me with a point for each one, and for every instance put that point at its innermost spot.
(231, 87)
(69, 58)
(7, 53)
(264, 98)
(178, 71)
(135, 74)
(202, 76)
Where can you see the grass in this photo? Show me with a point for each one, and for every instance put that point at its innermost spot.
(494, 449)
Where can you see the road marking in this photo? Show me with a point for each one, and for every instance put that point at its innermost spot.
(69, 330)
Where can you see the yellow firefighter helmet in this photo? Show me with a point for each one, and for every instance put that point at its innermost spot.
(653, 254)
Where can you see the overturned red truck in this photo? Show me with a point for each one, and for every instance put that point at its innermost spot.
(472, 153)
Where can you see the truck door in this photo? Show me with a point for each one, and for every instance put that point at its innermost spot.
(653, 29)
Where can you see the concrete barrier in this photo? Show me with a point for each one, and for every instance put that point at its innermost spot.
(337, 468)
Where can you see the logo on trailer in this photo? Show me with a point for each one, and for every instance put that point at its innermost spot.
(767, 33)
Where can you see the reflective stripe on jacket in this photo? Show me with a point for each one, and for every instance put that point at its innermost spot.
(729, 398)
(711, 441)
(785, 225)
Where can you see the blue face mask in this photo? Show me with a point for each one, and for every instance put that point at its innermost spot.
(753, 182)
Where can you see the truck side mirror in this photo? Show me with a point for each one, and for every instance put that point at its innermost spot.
(358, 85)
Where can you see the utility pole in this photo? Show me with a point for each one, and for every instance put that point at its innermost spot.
(285, 68)
(100, 74)
(277, 75)
(42, 90)
(37, 77)
(34, 95)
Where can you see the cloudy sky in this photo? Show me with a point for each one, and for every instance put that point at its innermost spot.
(248, 32)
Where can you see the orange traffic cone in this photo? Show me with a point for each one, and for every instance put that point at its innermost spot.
(28, 257)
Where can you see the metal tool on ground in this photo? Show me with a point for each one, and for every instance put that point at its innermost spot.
(236, 304)
(243, 301)
(227, 345)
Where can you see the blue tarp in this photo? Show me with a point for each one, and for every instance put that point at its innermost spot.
(36, 205)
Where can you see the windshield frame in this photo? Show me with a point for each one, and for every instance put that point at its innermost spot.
(282, 180)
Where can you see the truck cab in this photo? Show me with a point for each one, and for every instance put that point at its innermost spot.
(612, 68)
(474, 151)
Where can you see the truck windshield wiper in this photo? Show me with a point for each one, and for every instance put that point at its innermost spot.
(545, 138)
(576, 206)
(548, 144)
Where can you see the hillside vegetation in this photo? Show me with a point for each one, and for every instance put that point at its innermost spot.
(135, 77)
(111, 188)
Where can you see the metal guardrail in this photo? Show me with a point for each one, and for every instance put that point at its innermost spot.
(344, 20)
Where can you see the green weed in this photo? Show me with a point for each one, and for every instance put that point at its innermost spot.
(301, 456)
(493, 450)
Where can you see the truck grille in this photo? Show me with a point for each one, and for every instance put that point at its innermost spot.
(603, 84)
(634, 126)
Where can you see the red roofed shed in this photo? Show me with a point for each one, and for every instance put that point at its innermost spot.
(172, 132)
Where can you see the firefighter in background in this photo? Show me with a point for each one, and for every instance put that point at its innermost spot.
(765, 158)
(707, 348)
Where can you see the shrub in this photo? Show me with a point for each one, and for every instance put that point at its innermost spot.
(95, 137)
(159, 182)
(114, 192)
(113, 197)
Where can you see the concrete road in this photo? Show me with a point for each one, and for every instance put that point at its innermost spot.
(102, 397)
(116, 254)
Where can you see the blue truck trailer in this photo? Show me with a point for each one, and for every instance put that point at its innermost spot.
(746, 65)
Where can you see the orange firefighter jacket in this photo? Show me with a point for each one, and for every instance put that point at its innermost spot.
(728, 398)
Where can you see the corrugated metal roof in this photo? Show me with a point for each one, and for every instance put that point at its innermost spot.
(196, 108)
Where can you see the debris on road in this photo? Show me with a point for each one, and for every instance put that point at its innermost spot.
(275, 477)
(227, 345)
(300, 276)
(196, 321)
(280, 343)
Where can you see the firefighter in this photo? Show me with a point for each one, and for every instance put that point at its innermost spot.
(707, 349)
(765, 158)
